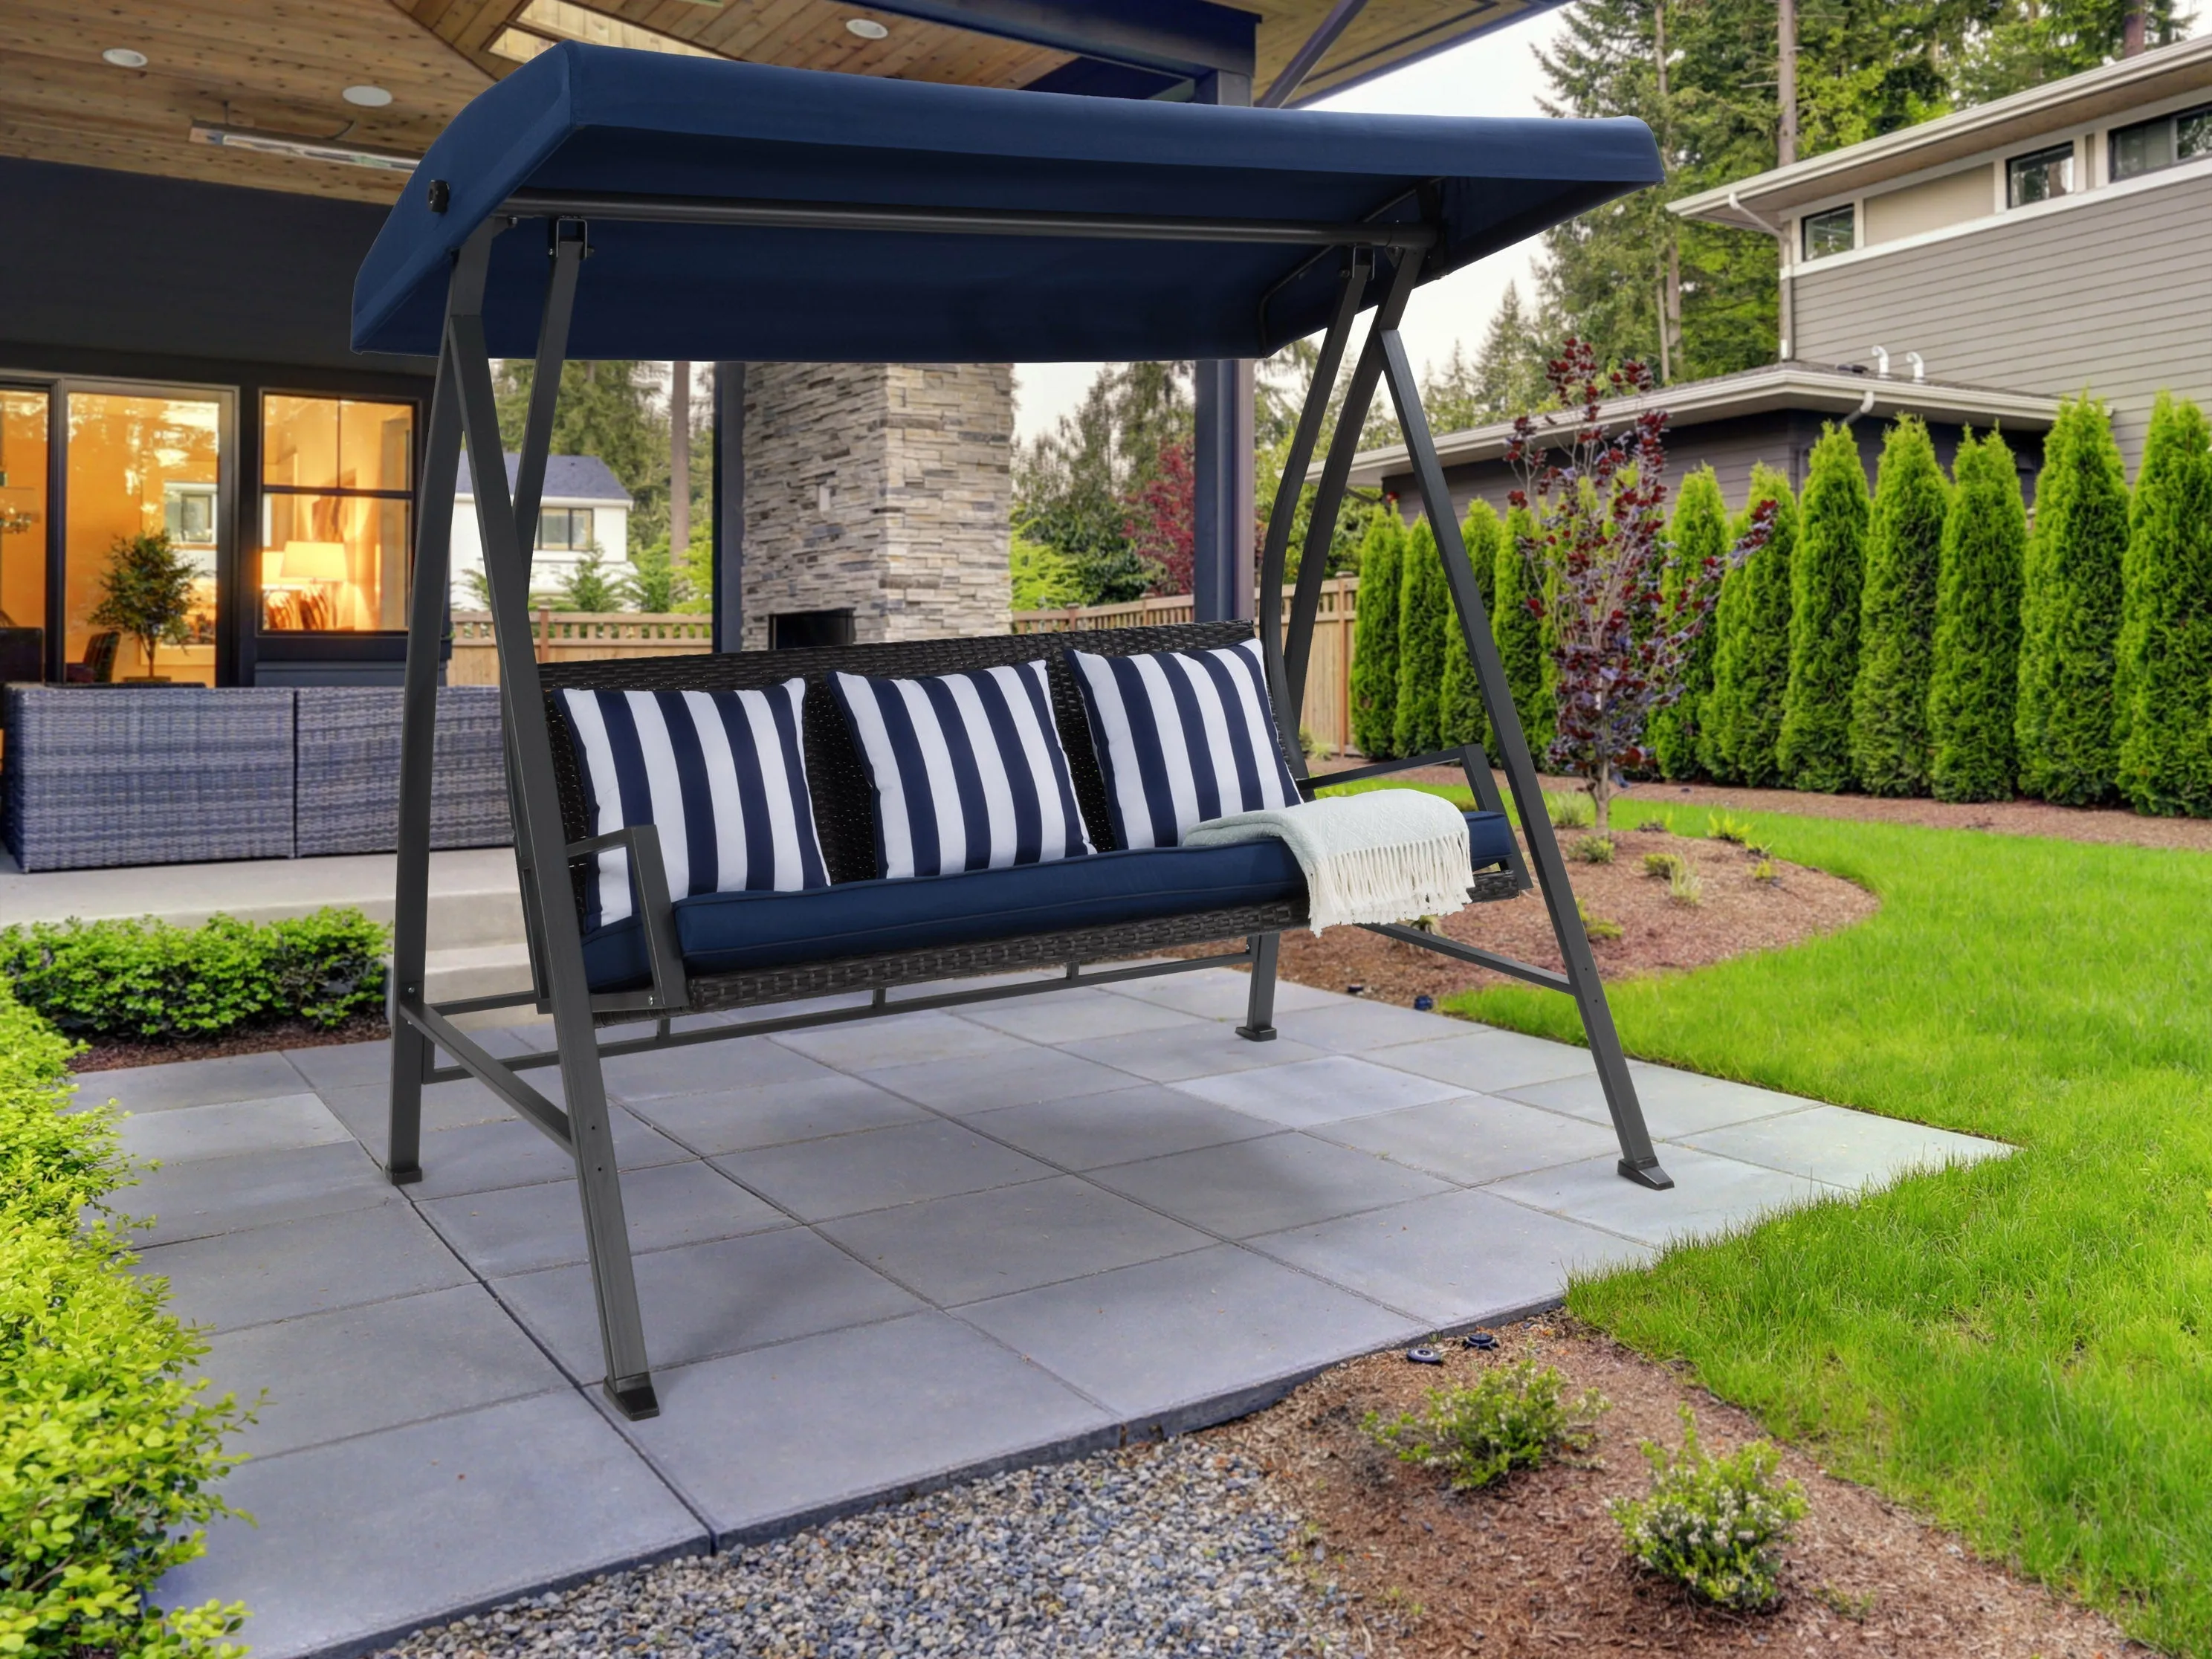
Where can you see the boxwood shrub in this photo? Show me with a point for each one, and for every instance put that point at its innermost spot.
(151, 981)
(107, 1451)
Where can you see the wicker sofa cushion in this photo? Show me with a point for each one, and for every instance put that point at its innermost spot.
(1182, 737)
(732, 932)
(968, 770)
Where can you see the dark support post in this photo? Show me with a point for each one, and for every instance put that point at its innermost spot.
(1639, 1163)
(729, 613)
(411, 1053)
(539, 837)
(1221, 462)
(1258, 1025)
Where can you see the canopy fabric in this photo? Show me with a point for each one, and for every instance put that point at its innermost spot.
(595, 119)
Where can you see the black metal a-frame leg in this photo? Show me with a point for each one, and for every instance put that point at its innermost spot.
(465, 411)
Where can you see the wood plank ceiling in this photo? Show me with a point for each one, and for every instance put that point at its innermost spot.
(282, 65)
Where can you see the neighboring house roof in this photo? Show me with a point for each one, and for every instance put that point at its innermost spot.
(584, 478)
(1819, 389)
(2114, 90)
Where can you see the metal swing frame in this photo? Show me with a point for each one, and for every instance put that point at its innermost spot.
(1373, 254)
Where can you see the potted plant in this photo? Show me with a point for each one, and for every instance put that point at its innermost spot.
(146, 593)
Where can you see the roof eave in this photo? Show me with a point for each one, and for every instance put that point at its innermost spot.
(1758, 392)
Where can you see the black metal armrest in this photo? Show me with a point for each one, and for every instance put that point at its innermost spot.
(656, 910)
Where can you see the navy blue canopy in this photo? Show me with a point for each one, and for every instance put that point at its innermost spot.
(592, 120)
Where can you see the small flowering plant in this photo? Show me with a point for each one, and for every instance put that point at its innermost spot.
(1511, 1416)
(1622, 627)
(1713, 1524)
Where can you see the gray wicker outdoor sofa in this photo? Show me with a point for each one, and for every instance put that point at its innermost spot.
(738, 213)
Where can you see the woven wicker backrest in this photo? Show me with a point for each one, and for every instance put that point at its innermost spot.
(844, 807)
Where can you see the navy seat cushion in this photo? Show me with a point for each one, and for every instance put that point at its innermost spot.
(730, 932)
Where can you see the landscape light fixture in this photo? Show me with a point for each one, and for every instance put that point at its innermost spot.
(367, 97)
(298, 146)
(123, 58)
(866, 27)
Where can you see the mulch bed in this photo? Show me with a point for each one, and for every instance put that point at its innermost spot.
(1534, 1566)
(112, 1055)
(1739, 912)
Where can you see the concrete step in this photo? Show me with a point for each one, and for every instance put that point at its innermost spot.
(481, 971)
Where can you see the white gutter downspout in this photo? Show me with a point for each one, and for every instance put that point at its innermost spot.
(1787, 268)
(1866, 404)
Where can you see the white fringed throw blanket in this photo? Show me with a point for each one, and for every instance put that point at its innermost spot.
(1387, 855)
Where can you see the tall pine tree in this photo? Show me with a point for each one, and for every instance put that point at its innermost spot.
(2165, 753)
(1974, 685)
(1523, 637)
(2065, 730)
(1375, 637)
(1424, 617)
(1699, 531)
(1826, 577)
(1460, 717)
(1741, 722)
(1897, 615)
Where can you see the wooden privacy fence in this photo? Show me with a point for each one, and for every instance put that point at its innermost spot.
(1327, 717)
(569, 635)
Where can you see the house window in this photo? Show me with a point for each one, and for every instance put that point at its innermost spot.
(565, 529)
(2149, 145)
(336, 476)
(2044, 176)
(1835, 231)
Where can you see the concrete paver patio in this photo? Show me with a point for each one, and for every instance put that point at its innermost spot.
(873, 1257)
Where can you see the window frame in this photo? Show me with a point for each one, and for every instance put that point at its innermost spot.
(2068, 153)
(2171, 122)
(1847, 211)
(263, 489)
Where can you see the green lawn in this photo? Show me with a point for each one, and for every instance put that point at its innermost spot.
(2018, 1350)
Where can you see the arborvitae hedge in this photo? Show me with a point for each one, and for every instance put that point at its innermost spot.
(2165, 649)
(1897, 615)
(1826, 577)
(1460, 718)
(1975, 682)
(1698, 531)
(1375, 637)
(1742, 718)
(2064, 729)
(1425, 620)
(1523, 638)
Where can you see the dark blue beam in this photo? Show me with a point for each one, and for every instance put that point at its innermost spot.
(1185, 39)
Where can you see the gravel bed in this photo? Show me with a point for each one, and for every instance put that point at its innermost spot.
(1177, 1549)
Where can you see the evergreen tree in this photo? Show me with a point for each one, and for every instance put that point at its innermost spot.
(1073, 488)
(1897, 615)
(2166, 752)
(1424, 617)
(1974, 682)
(605, 409)
(1375, 638)
(1826, 577)
(2063, 730)
(1699, 531)
(1459, 716)
(1742, 722)
(1524, 643)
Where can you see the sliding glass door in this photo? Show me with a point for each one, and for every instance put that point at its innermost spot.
(23, 532)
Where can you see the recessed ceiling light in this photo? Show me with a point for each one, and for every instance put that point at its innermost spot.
(123, 58)
(367, 97)
(866, 27)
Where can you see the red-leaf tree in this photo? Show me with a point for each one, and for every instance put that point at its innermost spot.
(1159, 519)
(1596, 559)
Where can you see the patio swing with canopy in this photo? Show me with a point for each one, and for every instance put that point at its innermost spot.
(602, 204)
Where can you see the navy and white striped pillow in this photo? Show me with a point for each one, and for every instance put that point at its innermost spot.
(1182, 737)
(968, 770)
(720, 774)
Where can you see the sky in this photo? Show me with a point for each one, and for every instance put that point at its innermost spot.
(1496, 75)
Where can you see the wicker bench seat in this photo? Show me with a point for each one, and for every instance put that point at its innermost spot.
(722, 933)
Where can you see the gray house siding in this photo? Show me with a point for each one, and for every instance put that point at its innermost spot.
(2114, 296)
(1782, 438)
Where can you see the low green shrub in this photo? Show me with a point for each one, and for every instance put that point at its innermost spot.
(1596, 927)
(1726, 826)
(1656, 827)
(1592, 849)
(1571, 812)
(1766, 870)
(149, 980)
(1713, 1524)
(1684, 886)
(1510, 1417)
(1662, 866)
(107, 1452)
